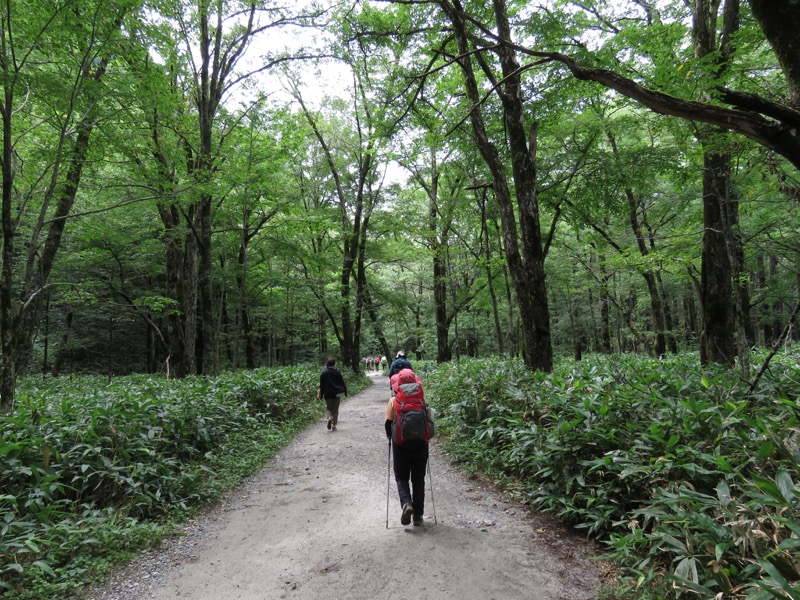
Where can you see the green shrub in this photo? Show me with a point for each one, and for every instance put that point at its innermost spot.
(676, 468)
(90, 469)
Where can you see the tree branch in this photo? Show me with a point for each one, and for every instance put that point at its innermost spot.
(778, 135)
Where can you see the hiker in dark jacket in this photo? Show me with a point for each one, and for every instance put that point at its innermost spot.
(331, 387)
(398, 364)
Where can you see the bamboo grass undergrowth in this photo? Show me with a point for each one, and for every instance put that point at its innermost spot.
(688, 479)
(93, 472)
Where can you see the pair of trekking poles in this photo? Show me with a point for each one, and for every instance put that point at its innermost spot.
(389, 480)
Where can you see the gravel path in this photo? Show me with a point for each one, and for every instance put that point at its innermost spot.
(312, 524)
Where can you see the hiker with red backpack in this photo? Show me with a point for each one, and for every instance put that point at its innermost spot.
(409, 428)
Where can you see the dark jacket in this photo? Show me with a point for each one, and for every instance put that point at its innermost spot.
(398, 364)
(331, 383)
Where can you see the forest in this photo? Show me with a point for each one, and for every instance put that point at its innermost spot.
(198, 188)
(190, 187)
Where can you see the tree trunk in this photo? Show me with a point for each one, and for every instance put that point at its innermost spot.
(718, 297)
(605, 303)
(436, 242)
(7, 350)
(669, 322)
(207, 358)
(530, 273)
(690, 326)
(151, 352)
(62, 347)
(18, 325)
(740, 288)
(774, 319)
(656, 304)
(241, 286)
(208, 94)
(741, 279)
(181, 287)
(247, 332)
(438, 227)
(361, 290)
(717, 338)
(656, 301)
(604, 299)
(487, 252)
(780, 22)
(226, 331)
(764, 322)
(322, 318)
(526, 265)
(443, 353)
(513, 330)
(372, 311)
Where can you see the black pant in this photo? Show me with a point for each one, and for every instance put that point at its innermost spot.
(410, 461)
(332, 406)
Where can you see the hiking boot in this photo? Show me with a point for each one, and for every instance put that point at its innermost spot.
(406, 518)
(418, 522)
(330, 423)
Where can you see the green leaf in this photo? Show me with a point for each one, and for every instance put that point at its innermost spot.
(770, 488)
(44, 567)
(719, 551)
(695, 587)
(724, 494)
(16, 567)
(687, 570)
(766, 449)
(676, 544)
(8, 448)
(779, 579)
(786, 486)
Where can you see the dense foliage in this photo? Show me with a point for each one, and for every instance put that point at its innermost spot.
(327, 193)
(191, 187)
(92, 469)
(675, 468)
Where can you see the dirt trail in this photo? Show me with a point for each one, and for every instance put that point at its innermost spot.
(312, 525)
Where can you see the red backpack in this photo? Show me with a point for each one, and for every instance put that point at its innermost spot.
(411, 421)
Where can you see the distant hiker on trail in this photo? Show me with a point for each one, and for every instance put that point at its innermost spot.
(409, 427)
(331, 387)
(398, 364)
(384, 362)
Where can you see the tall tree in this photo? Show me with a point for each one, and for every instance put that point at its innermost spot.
(425, 172)
(53, 61)
(770, 123)
(358, 181)
(257, 196)
(720, 294)
(356, 194)
(211, 56)
(521, 228)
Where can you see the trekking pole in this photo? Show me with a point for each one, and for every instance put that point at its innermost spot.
(433, 500)
(388, 481)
